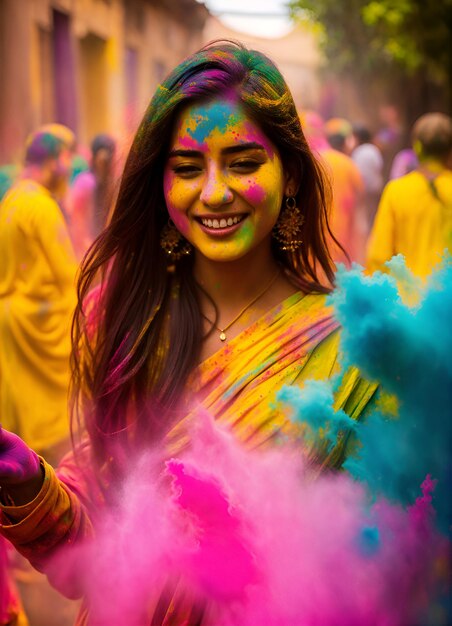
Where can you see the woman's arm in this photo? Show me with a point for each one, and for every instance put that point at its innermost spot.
(41, 516)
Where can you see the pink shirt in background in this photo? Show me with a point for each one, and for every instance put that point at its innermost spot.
(345, 223)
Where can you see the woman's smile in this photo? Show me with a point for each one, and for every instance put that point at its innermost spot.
(221, 225)
(224, 181)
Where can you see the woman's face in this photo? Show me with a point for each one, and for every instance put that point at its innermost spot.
(223, 181)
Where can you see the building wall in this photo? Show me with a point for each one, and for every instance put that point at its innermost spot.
(94, 64)
(18, 105)
(90, 64)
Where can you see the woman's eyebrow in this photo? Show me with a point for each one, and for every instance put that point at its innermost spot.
(241, 147)
(185, 153)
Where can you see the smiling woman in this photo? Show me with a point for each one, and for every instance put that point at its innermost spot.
(213, 273)
(225, 193)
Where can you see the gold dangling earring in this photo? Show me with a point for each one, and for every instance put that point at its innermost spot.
(287, 230)
(173, 243)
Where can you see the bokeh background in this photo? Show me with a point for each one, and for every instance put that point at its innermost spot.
(93, 64)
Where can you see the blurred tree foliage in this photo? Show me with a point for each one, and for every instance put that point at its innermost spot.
(372, 36)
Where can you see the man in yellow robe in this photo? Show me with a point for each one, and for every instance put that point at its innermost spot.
(37, 296)
(414, 217)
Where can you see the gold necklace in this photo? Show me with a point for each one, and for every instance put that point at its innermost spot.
(222, 331)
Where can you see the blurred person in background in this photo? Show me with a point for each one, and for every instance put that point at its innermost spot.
(347, 222)
(37, 298)
(339, 134)
(8, 174)
(79, 163)
(389, 137)
(369, 161)
(37, 271)
(91, 194)
(403, 163)
(414, 217)
(314, 129)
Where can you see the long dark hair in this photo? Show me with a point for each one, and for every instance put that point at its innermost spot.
(139, 337)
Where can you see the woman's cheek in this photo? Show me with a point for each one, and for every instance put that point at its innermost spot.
(168, 183)
(178, 216)
(254, 193)
(180, 220)
(180, 198)
(173, 206)
(263, 197)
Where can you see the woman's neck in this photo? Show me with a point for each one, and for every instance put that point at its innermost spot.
(242, 291)
(231, 284)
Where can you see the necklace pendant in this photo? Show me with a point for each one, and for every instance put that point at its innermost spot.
(223, 336)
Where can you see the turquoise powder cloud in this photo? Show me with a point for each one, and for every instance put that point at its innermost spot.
(407, 350)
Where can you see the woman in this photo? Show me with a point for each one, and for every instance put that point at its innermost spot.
(213, 273)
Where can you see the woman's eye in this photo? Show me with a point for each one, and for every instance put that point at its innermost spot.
(245, 165)
(187, 171)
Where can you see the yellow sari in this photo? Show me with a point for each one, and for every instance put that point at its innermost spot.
(295, 341)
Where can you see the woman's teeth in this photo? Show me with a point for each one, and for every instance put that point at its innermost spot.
(223, 223)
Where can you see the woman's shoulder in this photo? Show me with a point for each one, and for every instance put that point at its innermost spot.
(308, 317)
(317, 307)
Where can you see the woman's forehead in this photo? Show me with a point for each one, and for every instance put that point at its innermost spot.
(215, 119)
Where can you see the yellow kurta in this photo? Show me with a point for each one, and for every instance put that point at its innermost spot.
(411, 221)
(37, 297)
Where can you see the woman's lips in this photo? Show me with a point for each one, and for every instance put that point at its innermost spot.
(221, 225)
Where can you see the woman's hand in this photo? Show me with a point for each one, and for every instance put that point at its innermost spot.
(20, 469)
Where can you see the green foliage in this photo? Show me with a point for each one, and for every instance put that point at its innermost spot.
(363, 35)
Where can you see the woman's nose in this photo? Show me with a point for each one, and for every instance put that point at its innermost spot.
(215, 191)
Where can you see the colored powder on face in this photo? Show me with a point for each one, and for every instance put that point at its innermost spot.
(250, 129)
(255, 193)
(218, 116)
(187, 142)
